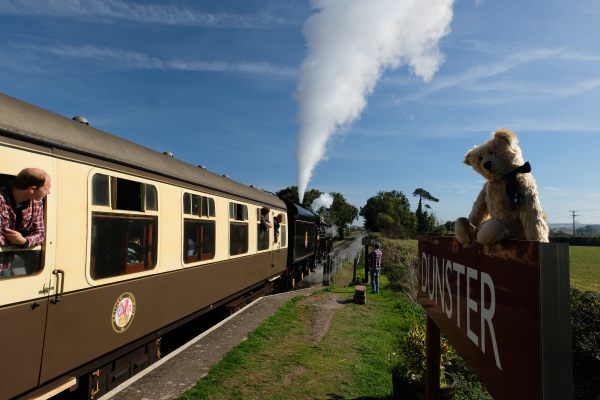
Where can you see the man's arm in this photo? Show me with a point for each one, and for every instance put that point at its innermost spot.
(37, 232)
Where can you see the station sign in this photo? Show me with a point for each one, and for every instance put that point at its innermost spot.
(505, 309)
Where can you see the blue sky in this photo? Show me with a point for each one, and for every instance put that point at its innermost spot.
(215, 81)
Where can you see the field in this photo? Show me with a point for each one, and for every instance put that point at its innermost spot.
(584, 263)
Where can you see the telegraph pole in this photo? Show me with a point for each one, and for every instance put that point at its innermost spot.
(573, 214)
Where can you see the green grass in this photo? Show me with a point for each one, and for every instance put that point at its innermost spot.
(584, 263)
(281, 359)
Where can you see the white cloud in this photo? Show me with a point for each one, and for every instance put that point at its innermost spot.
(126, 59)
(469, 80)
(107, 10)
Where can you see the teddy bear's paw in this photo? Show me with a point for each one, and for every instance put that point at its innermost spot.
(464, 232)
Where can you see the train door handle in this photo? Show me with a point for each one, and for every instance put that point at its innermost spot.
(60, 285)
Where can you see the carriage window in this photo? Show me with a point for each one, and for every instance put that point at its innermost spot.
(198, 234)
(15, 261)
(208, 207)
(238, 212)
(19, 262)
(128, 195)
(151, 198)
(262, 242)
(187, 203)
(123, 194)
(198, 240)
(199, 206)
(100, 190)
(283, 234)
(238, 229)
(122, 244)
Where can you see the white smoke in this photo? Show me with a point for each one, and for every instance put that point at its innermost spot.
(324, 200)
(350, 44)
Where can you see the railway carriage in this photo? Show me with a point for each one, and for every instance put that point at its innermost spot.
(137, 243)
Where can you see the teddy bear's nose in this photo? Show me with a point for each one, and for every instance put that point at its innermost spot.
(487, 165)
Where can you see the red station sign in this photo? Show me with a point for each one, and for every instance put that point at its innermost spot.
(505, 309)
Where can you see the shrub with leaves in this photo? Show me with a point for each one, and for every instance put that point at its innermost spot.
(399, 265)
(585, 323)
(410, 358)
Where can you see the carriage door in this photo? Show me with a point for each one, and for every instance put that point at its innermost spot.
(25, 286)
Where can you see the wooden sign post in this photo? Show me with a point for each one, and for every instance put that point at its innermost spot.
(505, 309)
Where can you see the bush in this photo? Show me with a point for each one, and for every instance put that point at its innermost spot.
(585, 323)
(399, 265)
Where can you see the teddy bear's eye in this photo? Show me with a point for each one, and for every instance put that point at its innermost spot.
(480, 158)
(491, 153)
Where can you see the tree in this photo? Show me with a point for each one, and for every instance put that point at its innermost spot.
(290, 193)
(389, 213)
(425, 221)
(342, 213)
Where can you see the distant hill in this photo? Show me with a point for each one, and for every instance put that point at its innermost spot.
(580, 229)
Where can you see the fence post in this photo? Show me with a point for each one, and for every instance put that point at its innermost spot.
(354, 271)
(432, 366)
(366, 263)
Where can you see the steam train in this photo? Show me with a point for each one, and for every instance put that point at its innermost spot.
(137, 243)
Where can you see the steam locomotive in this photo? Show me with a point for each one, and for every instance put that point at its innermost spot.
(137, 243)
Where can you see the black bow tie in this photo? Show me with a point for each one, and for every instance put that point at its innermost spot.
(515, 196)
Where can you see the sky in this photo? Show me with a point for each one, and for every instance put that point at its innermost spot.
(224, 84)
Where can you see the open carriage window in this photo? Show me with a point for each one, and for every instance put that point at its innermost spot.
(16, 261)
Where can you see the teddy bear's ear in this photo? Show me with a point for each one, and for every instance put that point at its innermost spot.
(506, 135)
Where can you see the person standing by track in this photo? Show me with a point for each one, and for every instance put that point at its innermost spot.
(375, 268)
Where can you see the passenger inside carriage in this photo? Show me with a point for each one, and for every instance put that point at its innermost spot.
(276, 223)
(22, 218)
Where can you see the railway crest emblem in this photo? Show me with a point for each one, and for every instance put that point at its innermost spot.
(123, 312)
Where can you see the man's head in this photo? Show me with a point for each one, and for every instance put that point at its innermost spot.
(32, 184)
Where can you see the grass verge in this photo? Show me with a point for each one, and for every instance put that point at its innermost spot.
(585, 267)
(283, 360)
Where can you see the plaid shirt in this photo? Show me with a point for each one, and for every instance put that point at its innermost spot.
(28, 219)
(376, 260)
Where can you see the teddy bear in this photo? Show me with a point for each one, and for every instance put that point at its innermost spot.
(508, 206)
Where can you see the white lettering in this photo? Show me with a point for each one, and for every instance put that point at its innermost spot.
(437, 282)
(460, 270)
(487, 314)
(436, 275)
(430, 278)
(471, 305)
(448, 268)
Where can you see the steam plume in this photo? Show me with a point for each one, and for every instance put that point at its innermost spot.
(324, 200)
(350, 44)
